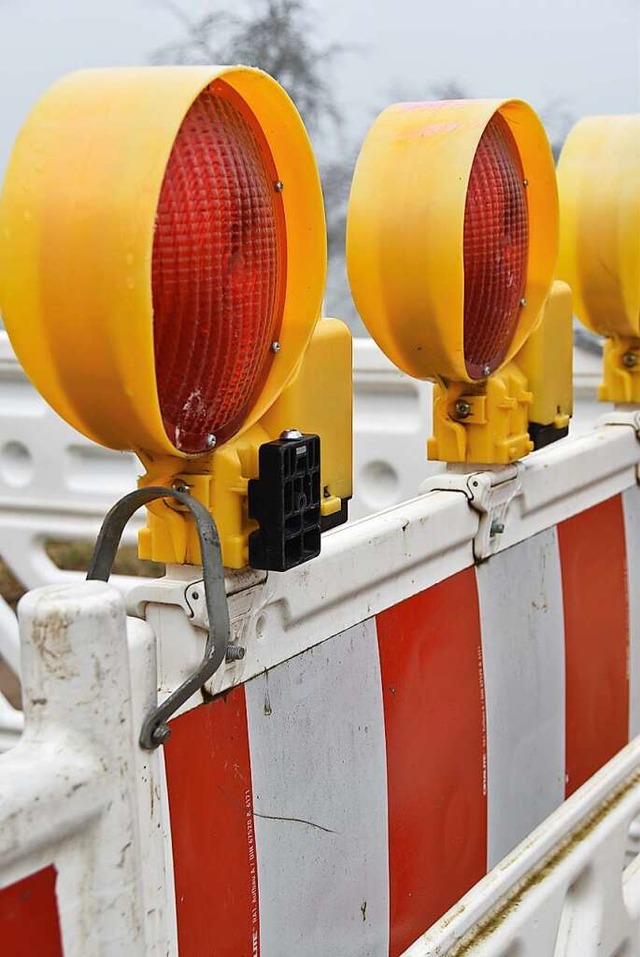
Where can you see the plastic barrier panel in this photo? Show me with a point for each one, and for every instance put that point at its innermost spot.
(406, 713)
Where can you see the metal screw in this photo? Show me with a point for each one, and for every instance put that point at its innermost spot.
(523, 302)
(278, 186)
(275, 347)
(525, 182)
(291, 435)
(211, 441)
(161, 734)
(497, 528)
(630, 359)
(463, 409)
(179, 486)
(486, 370)
(235, 653)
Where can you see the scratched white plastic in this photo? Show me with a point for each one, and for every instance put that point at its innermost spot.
(565, 891)
(77, 792)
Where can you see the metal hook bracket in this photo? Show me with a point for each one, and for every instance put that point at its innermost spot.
(155, 729)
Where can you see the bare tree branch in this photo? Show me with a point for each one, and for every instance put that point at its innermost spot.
(275, 36)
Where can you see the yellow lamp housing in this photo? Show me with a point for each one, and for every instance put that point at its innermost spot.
(162, 268)
(526, 405)
(451, 251)
(599, 184)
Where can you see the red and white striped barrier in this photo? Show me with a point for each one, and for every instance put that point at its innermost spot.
(432, 736)
(345, 799)
(407, 711)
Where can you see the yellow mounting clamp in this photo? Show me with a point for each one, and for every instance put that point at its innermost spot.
(525, 405)
(486, 423)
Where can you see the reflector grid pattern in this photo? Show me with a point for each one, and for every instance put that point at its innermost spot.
(215, 274)
(496, 244)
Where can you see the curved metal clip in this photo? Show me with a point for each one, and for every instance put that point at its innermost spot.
(155, 729)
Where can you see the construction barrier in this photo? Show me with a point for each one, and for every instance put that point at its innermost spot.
(407, 711)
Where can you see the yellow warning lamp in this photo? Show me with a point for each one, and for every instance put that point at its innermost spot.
(162, 268)
(599, 183)
(451, 250)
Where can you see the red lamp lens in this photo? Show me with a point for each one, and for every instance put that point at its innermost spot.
(217, 271)
(496, 245)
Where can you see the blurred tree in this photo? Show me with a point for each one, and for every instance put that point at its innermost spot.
(275, 35)
(558, 120)
(449, 90)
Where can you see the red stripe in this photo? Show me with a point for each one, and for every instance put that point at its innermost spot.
(431, 662)
(593, 560)
(214, 852)
(29, 923)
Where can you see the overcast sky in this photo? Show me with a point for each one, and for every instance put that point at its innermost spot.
(583, 54)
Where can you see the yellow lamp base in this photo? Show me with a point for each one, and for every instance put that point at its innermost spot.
(486, 423)
(318, 400)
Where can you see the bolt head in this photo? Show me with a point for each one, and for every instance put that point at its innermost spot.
(523, 302)
(275, 347)
(486, 370)
(235, 653)
(463, 409)
(211, 441)
(291, 435)
(278, 186)
(630, 359)
(161, 734)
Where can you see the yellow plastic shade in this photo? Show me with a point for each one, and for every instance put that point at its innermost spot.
(77, 219)
(405, 228)
(599, 182)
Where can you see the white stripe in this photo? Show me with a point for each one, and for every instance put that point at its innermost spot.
(631, 508)
(521, 614)
(318, 767)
